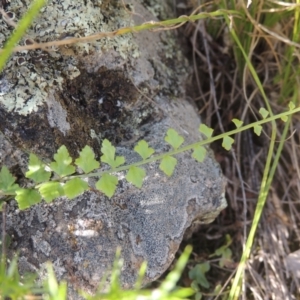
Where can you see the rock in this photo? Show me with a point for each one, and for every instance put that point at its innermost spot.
(126, 88)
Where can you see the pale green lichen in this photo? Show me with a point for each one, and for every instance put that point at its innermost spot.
(93, 135)
(28, 76)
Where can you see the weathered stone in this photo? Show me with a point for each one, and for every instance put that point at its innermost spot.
(124, 89)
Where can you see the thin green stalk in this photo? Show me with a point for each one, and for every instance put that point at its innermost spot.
(17, 35)
(162, 25)
(183, 19)
(265, 186)
(235, 288)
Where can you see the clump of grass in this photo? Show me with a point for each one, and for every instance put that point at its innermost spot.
(253, 61)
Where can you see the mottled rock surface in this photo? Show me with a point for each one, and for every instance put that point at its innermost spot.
(124, 89)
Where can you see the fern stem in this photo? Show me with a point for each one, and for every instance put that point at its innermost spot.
(188, 147)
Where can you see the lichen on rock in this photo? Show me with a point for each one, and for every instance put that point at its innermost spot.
(34, 72)
(47, 84)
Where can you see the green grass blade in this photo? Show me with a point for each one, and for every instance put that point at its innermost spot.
(170, 281)
(24, 23)
(266, 181)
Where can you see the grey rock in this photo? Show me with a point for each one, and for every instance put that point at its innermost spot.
(123, 89)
